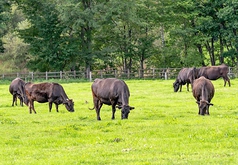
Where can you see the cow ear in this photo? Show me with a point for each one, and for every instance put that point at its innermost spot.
(209, 103)
(119, 107)
(132, 108)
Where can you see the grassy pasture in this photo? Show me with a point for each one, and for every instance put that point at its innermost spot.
(164, 128)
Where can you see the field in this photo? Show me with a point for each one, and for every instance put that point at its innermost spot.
(164, 128)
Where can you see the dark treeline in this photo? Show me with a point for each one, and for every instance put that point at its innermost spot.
(57, 35)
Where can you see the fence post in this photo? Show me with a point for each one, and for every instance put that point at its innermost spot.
(128, 73)
(61, 75)
(46, 75)
(32, 76)
(101, 73)
(74, 74)
(165, 75)
(153, 72)
(90, 76)
(115, 73)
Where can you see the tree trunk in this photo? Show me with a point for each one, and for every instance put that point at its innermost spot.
(221, 49)
(210, 49)
(142, 66)
(199, 46)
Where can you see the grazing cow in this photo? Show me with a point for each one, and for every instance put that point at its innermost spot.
(203, 92)
(47, 92)
(16, 88)
(111, 91)
(214, 73)
(185, 76)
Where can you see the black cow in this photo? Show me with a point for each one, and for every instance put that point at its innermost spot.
(185, 76)
(214, 73)
(111, 91)
(16, 88)
(47, 92)
(203, 92)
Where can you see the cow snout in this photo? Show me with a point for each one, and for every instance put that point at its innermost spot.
(176, 87)
(124, 115)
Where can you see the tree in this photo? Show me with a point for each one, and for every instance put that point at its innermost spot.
(44, 36)
(4, 17)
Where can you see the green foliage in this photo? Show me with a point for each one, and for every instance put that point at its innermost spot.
(4, 18)
(164, 128)
(126, 34)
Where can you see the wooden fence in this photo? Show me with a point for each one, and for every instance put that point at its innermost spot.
(154, 73)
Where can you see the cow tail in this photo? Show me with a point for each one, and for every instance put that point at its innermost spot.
(92, 108)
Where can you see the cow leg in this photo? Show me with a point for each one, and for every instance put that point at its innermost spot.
(114, 103)
(180, 88)
(56, 106)
(187, 86)
(113, 111)
(224, 82)
(21, 101)
(13, 99)
(50, 106)
(32, 107)
(226, 79)
(98, 106)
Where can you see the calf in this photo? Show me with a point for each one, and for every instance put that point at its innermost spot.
(113, 92)
(203, 92)
(16, 88)
(47, 92)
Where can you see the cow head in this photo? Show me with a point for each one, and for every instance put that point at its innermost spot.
(203, 106)
(125, 110)
(176, 86)
(25, 99)
(69, 104)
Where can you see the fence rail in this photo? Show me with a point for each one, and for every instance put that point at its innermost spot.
(154, 73)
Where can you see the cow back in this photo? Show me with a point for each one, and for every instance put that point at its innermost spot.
(111, 88)
(213, 72)
(203, 89)
(38, 92)
(16, 86)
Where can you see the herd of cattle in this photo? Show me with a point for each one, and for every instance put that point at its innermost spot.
(202, 88)
(115, 92)
(110, 91)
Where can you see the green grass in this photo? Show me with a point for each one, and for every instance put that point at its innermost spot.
(164, 128)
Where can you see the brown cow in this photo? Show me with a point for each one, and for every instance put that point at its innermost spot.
(203, 92)
(47, 92)
(185, 76)
(16, 88)
(214, 73)
(111, 91)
